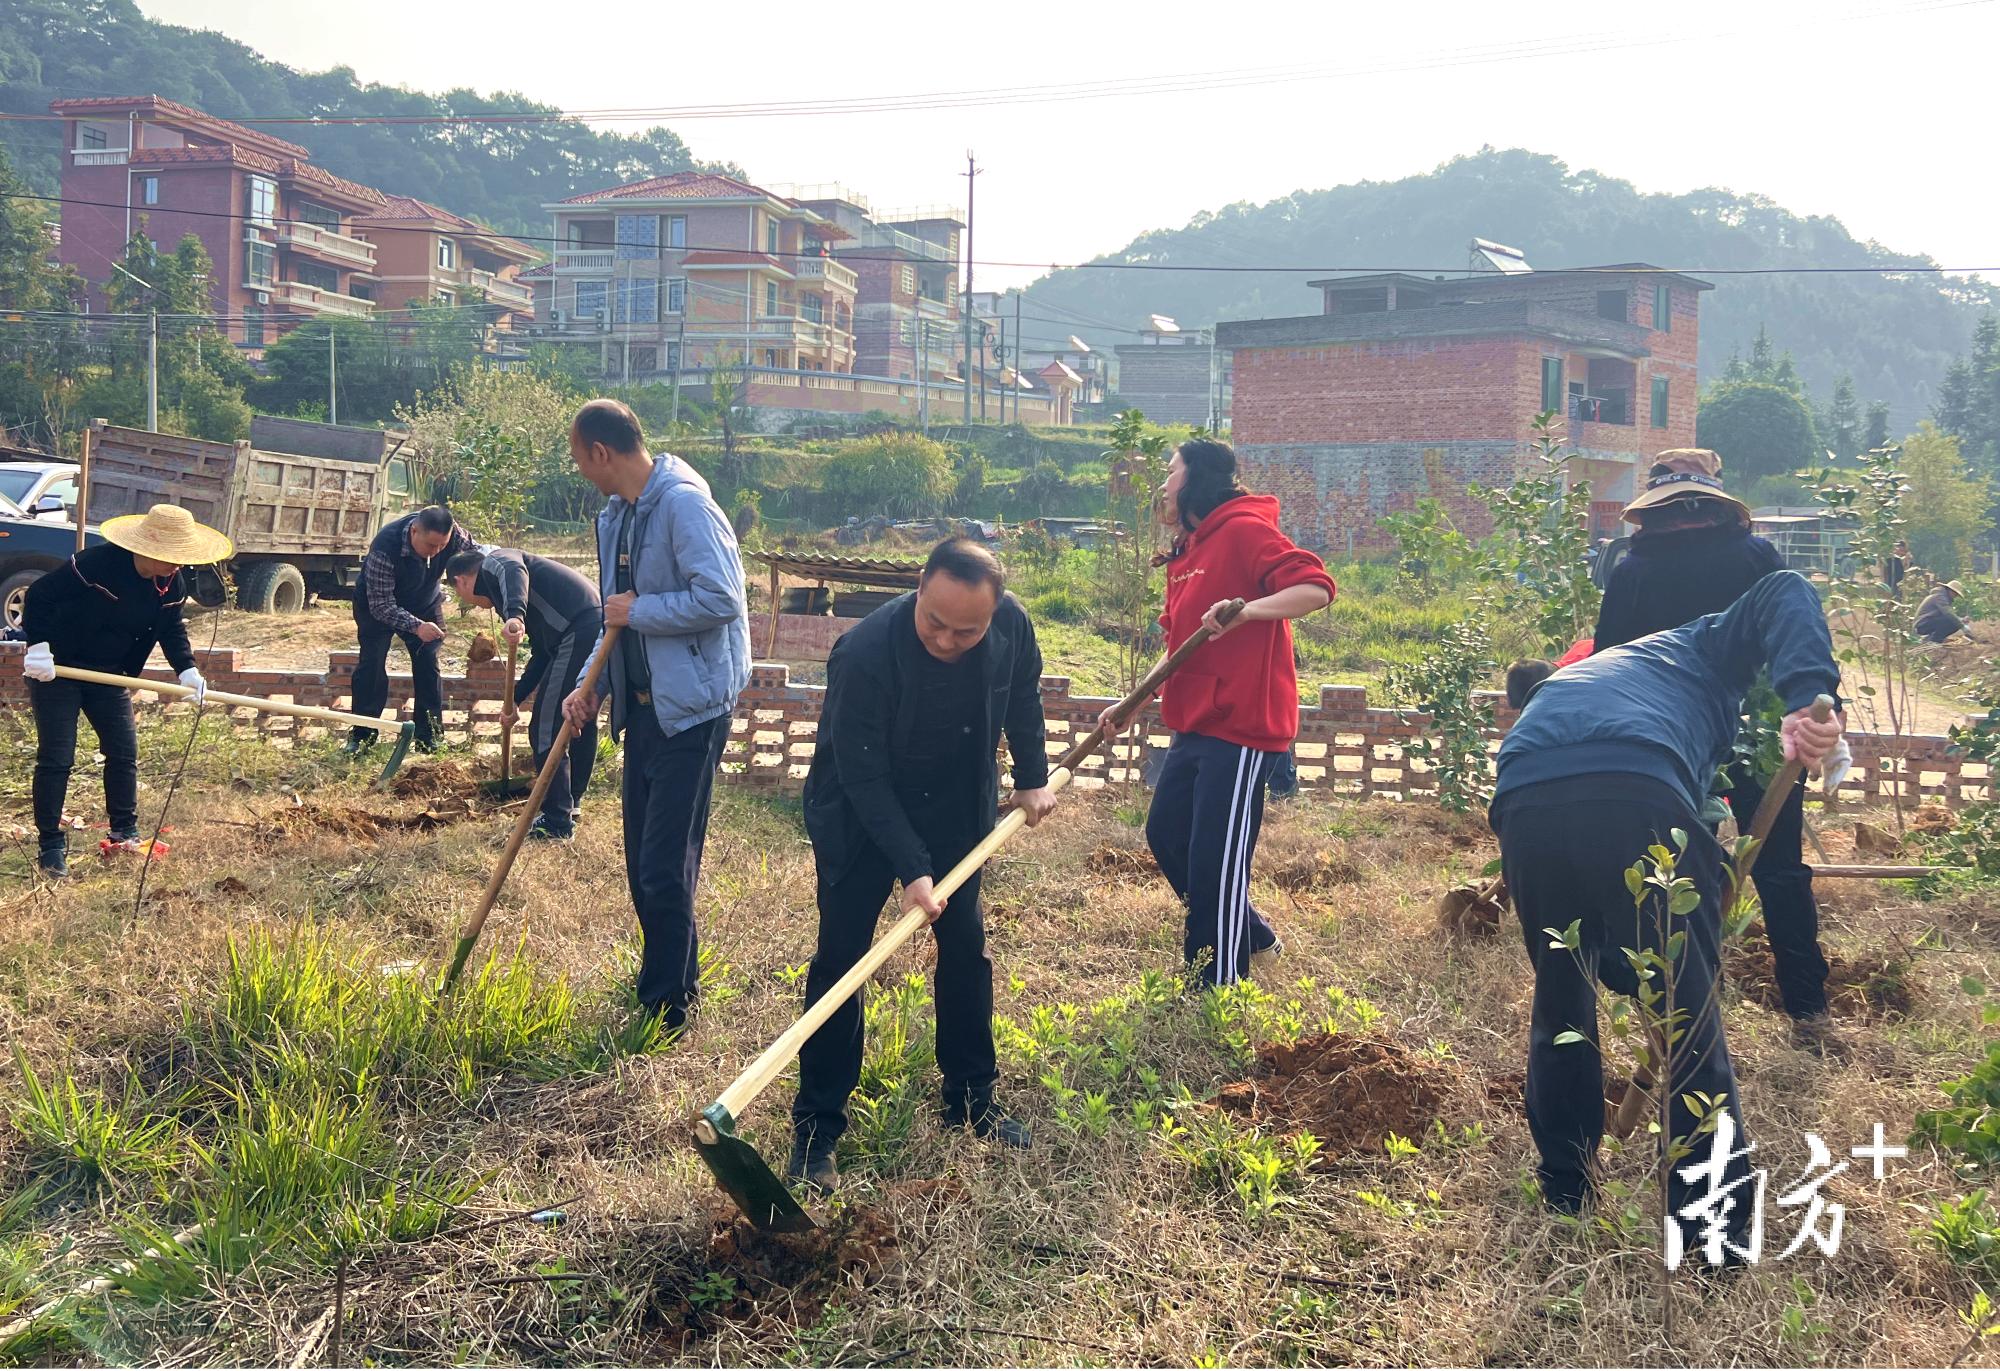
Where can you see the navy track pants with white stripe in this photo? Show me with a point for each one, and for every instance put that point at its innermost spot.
(1208, 806)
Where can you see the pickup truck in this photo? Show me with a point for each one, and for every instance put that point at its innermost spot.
(301, 501)
(29, 547)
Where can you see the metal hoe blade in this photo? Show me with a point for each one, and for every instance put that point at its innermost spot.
(404, 737)
(741, 1173)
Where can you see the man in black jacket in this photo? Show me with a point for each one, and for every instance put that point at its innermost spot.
(559, 612)
(1935, 620)
(904, 783)
(1610, 756)
(400, 597)
(1694, 554)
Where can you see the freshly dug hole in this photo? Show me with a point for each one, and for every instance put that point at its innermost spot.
(1869, 988)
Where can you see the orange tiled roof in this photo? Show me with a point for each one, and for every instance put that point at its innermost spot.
(214, 152)
(153, 106)
(320, 176)
(409, 207)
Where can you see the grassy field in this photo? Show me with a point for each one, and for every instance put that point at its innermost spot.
(252, 1062)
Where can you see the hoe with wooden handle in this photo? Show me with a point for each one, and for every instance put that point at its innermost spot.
(543, 780)
(404, 731)
(1624, 1117)
(738, 1169)
(507, 786)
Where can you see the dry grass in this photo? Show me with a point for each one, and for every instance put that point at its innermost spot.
(1111, 1248)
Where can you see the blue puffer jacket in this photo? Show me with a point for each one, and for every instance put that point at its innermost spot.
(691, 607)
(1668, 705)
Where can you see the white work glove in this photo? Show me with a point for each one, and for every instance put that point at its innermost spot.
(39, 664)
(1838, 763)
(191, 678)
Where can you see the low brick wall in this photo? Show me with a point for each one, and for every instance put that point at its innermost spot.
(1345, 746)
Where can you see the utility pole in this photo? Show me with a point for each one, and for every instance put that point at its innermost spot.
(965, 300)
(1000, 366)
(332, 391)
(153, 371)
(924, 373)
(680, 360)
(1017, 355)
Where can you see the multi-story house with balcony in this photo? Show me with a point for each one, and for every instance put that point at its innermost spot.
(679, 271)
(1405, 386)
(279, 230)
(425, 255)
(907, 317)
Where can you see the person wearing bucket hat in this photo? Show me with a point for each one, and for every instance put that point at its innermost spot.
(1694, 554)
(105, 611)
(1935, 619)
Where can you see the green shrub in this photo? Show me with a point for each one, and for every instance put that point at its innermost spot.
(903, 475)
(1060, 604)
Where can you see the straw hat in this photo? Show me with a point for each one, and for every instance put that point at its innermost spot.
(167, 533)
(1683, 473)
(1954, 587)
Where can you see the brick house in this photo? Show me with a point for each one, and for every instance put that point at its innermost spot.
(426, 255)
(1171, 375)
(676, 271)
(1408, 386)
(906, 310)
(281, 231)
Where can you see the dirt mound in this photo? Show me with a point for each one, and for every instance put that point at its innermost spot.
(343, 821)
(1305, 872)
(1350, 1092)
(1122, 863)
(1932, 818)
(793, 1274)
(1868, 988)
(432, 780)
(1472, 911)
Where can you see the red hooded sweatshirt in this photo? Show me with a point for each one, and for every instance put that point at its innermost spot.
(1243, 688)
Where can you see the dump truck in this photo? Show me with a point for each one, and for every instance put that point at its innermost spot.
(300, 500)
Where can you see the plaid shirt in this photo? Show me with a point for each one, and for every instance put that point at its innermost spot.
(378, 572)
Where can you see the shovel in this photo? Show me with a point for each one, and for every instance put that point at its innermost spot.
(1621, 1120)
(738, 1169)
(404, 731)
(543, 780)
(506, 788)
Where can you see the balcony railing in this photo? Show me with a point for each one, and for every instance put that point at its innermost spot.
(328, 243)
(313, 300)
(880, 236)
(100, 157)
(499, 291)
(827, 270)
(1599, 409)
(585, 259)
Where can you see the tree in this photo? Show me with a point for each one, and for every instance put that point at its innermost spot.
(498, 441)
(1041, 485)
(38, 356)
(900, 474)
(201, 375)
(379, 366)
(1842, 421)
(1945, 505)
(1878, 426)
(1759, 429)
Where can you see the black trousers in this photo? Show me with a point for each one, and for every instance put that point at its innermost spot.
(668, 784)
(1564, 848)
(572, 774)
(1784, 889)
(109, 709)
(850, 905)
(370, 689)
(1208, 807)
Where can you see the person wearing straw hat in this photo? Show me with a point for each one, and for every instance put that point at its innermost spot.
(106, 611)
(1694, 554)
(1935, 620)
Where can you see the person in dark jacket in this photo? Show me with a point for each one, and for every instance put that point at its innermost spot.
(904, 783)
(1935, 620)
(1694, 554)
(560, 613)
(105, 611)
(1234, 706)
(400, 596)
(1896, 567)
(1611, 755)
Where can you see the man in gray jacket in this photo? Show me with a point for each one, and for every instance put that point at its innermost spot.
(673, 585)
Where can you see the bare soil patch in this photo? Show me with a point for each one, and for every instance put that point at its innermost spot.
(1348, 1091)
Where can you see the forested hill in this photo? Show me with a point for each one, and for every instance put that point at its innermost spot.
(1894, 334)
(501, 174)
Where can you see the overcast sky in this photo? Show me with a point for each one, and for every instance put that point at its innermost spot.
(1873, 111)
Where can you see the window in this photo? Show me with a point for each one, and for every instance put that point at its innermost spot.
(593, 299)
(673, 356)
(257, 264)
(906, 280)
(638, 237)
(589, 233)
(64, 490)
(770, 297)
(447, 254)
(1663, 308)
(1659, 402)
(149, 190)
(677, 231)
(677, 291)
(262, 197)
(253, 326)
(445, 298)
(637, 302)
(315, 275)
(771, 236)
(771, 358)
(319, 216)
(1613, 304)
(360, 289)
(1552, 383)
(813, 308)
(90, 136)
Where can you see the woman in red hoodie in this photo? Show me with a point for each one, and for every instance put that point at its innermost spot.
(1234, 707)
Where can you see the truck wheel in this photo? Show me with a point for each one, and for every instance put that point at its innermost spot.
(271, 588)
(14, 596)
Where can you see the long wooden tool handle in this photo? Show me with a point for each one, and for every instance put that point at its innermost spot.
(1781, 785)
(543, 779)
(507, 729)
(223, 697)
(772, 1060)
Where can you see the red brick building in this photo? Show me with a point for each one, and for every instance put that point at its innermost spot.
(425, 255)
(1409, 386)
(280, 231)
